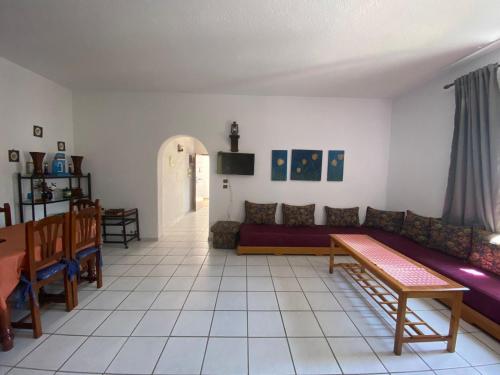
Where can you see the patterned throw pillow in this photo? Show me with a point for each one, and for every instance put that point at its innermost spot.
(451, 239)
(390, 221)
(298, 215)
(258, 213)
(416, 227)
(342, 217)
(485, 254)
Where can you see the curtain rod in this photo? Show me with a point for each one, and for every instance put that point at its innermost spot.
(446, 87)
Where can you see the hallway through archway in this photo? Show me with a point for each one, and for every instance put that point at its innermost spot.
(183, 184)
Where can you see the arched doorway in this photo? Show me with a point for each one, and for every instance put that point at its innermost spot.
(183, 184)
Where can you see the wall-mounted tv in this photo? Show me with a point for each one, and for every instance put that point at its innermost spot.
(235, 163)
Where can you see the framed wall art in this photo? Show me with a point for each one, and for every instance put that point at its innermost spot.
(306, 165)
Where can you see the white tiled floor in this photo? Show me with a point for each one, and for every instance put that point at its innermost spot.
(178, 307)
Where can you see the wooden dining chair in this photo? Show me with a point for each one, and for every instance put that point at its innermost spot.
(85, 244)
(7, 216)
(81, 203)
(47, 244)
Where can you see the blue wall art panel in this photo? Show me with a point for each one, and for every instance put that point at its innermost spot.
(306, 165)
(278, 165)
(335, 165)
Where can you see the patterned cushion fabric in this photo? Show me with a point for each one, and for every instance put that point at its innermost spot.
(342, 217)
(257, 213)
(298, 215)
(390, 221)
(450, 239)
(226, 227)
(416, 227)
(485, 254)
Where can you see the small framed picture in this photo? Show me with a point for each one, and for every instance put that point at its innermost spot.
(61, 146)
(14, 156)
(37, 131)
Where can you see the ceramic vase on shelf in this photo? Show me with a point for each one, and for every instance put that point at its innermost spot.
(37, 162)
(77, 165)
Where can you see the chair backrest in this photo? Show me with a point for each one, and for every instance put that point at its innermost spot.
(81, 203)
(6, 212)
(85, 227)
(47, 242)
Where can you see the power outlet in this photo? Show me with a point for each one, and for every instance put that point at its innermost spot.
(225, 180)
(224, 186)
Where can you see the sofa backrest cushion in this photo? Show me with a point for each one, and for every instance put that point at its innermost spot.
(416, 227)
(342, 217)
(451, 239)
(298, 215)
(485, 254)
(390, 221)
(259, 213)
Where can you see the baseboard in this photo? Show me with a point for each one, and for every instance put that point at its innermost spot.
(282, 250)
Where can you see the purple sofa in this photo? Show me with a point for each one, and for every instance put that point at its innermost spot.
(484, 294)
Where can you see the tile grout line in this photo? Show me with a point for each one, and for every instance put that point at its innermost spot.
(320, 327)
(212, 320)
(173, 326)
(246, 300)
(130, 335)
(90, 335)
(282, 321)
(130, 291)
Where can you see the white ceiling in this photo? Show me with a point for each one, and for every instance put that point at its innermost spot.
(357, 48)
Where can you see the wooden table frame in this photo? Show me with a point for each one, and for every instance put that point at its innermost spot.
(120, 218)
(396, 305)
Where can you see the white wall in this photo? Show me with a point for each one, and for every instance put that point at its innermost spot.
(120, 134)
(28, 99)
(422, 132)
(202, 177)
(175, 176)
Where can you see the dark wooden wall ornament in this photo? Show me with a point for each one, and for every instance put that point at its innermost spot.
(234, 136)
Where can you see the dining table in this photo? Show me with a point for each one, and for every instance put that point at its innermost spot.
(12, 260)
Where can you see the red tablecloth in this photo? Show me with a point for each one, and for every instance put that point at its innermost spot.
(12, 258)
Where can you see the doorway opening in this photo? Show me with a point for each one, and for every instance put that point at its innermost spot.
(183, 186)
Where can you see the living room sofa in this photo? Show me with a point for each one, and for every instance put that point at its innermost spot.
(481, 302)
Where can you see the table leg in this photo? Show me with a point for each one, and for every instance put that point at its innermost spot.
(332, 261)
(400, 324)
(6, 334)
(137, 225)
(456, 307)
(124, 230)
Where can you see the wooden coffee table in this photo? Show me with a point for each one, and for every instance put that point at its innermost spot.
(390, 278)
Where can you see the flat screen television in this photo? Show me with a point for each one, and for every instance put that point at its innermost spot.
(235, 163)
